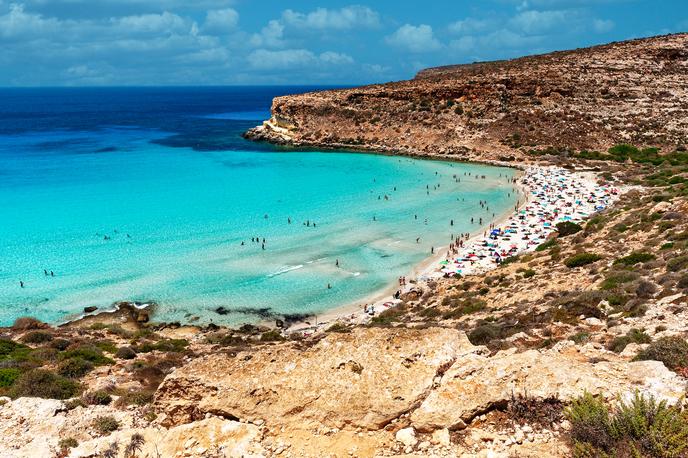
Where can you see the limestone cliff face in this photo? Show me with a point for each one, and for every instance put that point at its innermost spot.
(634, 91)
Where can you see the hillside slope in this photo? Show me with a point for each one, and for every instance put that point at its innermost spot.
(634, 91)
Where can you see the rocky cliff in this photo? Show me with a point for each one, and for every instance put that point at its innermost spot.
(631, 92)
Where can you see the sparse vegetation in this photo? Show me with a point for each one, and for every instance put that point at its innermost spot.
(271, 336)
(642, 427)
(37, 337)
(41, 383)
(106, 424)
(672, 351)
(635, 258)
(567, 228)
(633, 336)
(74, 367)
(582, 259)
(97, 398)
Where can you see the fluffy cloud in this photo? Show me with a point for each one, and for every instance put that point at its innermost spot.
(221, 22)
(414, 38)
(336, 58)
(263, 59)
(153, 23)
(471, 25)
(17, 23)
(271, 36)
(343, 19)
(602, 25)
(533, 21)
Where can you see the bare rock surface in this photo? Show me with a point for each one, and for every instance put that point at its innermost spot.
(370, 377)
(360, 379)
(475, 384)
(214, 437)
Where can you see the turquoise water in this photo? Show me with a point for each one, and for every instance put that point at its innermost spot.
(125, 213)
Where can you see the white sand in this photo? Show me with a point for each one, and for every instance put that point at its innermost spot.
(553, 195)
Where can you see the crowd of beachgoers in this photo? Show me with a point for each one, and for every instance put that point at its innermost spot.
(552, 195)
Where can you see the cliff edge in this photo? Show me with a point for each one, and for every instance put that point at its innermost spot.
(586, 99)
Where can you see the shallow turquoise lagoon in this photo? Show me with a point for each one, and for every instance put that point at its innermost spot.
(117, 214)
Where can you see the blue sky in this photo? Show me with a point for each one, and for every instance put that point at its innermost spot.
(220, 42)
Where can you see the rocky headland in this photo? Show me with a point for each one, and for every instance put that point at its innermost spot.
(575, 348)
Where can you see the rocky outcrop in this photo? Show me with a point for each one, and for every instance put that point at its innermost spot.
(32, 427)
(367, 379)
(477, 384)
(363, 379)
(633, 91)
(213, 436)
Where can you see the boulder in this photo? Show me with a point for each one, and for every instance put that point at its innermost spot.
(209, 437)
(406, 436)
(363, 379)
(475, 384)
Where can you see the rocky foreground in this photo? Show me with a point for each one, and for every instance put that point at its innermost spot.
(575, 349)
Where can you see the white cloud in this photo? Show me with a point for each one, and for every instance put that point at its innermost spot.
(414, 38)
(287, 59)
(272, 35)
(471, 25)
(263, 59)
(165, 22)
(533, 21)
(343, 19)
(602, 25)
(335, 58)
(17, 23)
(221, 22)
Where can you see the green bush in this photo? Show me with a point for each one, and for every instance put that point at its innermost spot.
(678, 263)
(166, 345)
(106, 345)
(67, 443)
(581, 259)
(74, 367)
(484, 333)
(139, 398)
(8, 347)
(339, 327)
(8, 376)
(672, 351)
(106, 424)
(97, 398)
(528, 273)
(618, 278)
(125, 353)
(40, 383)
(60, 344)
(89, 353)
(546, 245)
(568, 228)
(640, 428)
(633, 336)
(36, 337)
(271, 336)
(635, 258)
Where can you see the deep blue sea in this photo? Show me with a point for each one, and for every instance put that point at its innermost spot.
(151, 194)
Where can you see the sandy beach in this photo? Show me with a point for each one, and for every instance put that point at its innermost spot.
(552, 195)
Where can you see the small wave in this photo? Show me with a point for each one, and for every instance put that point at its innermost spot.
(284, 270)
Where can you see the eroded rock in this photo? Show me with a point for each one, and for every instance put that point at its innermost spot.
(363, 379)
